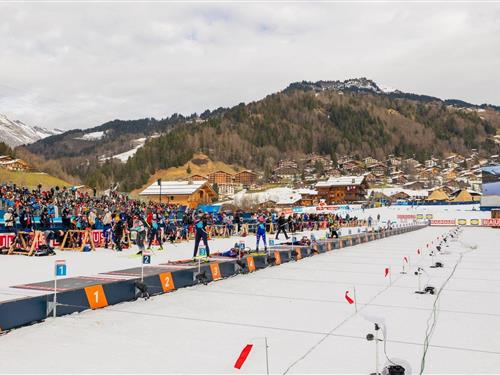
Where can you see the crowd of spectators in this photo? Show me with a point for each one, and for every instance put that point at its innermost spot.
(64, 209)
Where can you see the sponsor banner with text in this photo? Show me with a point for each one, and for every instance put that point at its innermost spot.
(468, 222)
(406, 217)
(6, 239)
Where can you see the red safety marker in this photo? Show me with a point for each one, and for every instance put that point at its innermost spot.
(349, 300)
(243, 356)
(386, 272)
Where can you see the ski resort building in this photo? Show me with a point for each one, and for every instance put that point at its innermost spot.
(185, 193)
(11, 164)
(342, 189)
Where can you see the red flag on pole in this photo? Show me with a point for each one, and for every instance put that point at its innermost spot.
(243, 356)
(386, 271)
(348, 299)
(405, 259)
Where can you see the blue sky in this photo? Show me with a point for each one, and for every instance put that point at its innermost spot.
(70, 65)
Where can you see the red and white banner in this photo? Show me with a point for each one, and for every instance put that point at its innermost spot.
(6, 239)
(98, 238)
(472, 222)
(444, 222)
(406, 217)
(490, 222)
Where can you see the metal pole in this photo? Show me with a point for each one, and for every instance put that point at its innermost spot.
(267, 356)
(55, 297)
(419, 275)
(142, 268)
(355, 300)
(376, 349)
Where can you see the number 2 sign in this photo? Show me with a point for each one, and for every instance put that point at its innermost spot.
(167, 281)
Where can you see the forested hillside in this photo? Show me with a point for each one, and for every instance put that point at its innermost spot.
(292, 123)
(4, 149)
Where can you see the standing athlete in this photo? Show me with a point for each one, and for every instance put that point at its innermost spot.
(200, 226)
(261, 232)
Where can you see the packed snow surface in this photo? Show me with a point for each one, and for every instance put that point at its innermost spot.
(94, 136)
(123, 157)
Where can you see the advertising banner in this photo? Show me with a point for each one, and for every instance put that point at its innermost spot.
(6, 239)
(491, 186)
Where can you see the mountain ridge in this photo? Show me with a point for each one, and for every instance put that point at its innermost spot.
(353, 117)
(367, 85)
(16, 133)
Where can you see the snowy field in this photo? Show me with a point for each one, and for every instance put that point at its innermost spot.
(300, 308)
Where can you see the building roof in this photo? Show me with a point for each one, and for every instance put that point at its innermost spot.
(219, 171)
(198, 175)
(341, 181)
(390, 191)
(12, 161)
(466, 196)
(173, 188)
(246, 171)
(438, 195)
(306, 191)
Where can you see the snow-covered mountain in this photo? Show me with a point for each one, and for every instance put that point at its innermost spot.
(353, 84)
(16, 133)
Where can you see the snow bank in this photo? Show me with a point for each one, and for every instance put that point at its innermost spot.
(94, 136)
(123, 157)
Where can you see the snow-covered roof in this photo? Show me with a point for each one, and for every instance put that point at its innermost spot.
(395, 190)
(280, 195)
(288, 199)
(173, 188)
(341, 181)
(411, 183)
(473, 192)
(306, 191)
(11, 161)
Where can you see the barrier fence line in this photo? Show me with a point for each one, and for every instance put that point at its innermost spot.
(24, 311)
(97, 237)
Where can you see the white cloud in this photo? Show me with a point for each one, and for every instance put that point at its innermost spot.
(72, 65)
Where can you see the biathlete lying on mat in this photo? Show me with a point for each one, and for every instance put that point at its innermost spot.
(304, 241)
